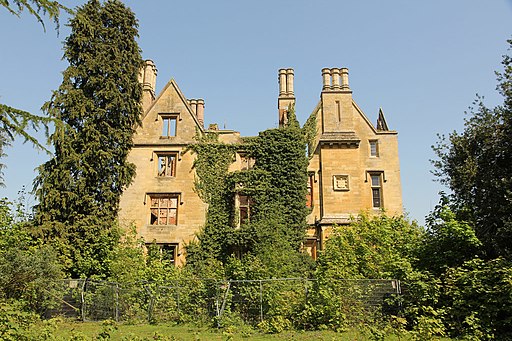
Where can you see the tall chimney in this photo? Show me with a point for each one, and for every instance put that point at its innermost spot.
(335, 74)
(286, 96)
(344, 79)
(289, 82)
(193, 105)
(200, 111)
(326, 78)
(282, 82)
(147, 76)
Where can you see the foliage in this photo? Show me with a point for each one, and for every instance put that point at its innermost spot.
(15, 122)
(309, 131)
(475, 164)
(99, 103)
(277, 190)
(36, 8)
(369, 248)
(478, 297)
(17, 324)
(447, 242)
(31, 273)
(211, 165)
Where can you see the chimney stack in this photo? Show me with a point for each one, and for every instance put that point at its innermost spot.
(193, 105)
(200, 111)
(335, 79)
(286, 94)
(197, 106)
(147, 76)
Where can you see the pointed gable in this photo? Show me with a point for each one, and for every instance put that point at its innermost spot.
(169, 119)
(381, 122)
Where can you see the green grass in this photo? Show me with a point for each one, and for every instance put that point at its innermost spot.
(67, 330)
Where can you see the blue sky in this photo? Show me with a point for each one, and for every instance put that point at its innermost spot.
(423, 62)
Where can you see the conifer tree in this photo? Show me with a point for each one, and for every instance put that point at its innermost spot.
(98, 103)
(14, 122)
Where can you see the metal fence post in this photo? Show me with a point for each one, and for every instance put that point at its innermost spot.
(82, 299)
(261, 301)
(117, 302)
(178, 300)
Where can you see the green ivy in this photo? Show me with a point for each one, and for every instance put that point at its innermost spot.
(277, 188)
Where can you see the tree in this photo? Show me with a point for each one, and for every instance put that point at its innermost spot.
(446, 242)
(14, 121)
(36, 7)
(475, 165)
(99, 104)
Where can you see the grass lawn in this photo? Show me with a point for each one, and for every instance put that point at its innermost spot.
(90, 330)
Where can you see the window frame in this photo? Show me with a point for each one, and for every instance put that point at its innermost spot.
(376, 149)
(377, 188)
(310, 195)
(155, 212)
(246, 207)
(166, 155)
(172, 247)
(166, 129)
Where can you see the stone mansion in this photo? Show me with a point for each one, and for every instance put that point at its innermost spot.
(354, 165)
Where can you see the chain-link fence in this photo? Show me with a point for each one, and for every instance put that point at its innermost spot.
(253, 301)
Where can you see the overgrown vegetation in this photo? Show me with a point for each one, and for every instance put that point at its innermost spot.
(273, 227)
(455, 274)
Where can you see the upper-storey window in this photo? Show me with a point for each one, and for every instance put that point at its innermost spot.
(164, 209)
(167, 164)
(169, 125)
(374, 148)
(245, 208)
(376, 183)
(246, 162)
(309, 194)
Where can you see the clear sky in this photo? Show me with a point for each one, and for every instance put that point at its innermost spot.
(423, 62)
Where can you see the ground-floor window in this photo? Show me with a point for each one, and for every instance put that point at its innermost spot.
(165, 251)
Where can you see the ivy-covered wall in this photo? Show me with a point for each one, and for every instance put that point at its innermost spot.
(276, 186)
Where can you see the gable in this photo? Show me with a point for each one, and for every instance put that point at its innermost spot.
(169, 119)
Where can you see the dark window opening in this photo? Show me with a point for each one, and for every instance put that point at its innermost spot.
(376, 184)
(167, 165)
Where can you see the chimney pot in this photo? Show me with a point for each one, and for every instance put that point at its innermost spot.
(193, 105)
(200, 111)
(289, 82)
(344, 79)
(326, 77)
(335, 74)
(282, 82)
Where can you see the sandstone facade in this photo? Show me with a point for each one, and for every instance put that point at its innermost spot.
(354, 165)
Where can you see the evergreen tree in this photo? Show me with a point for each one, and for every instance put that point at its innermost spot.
(99, 105)
(14, 122)
(36, 8)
